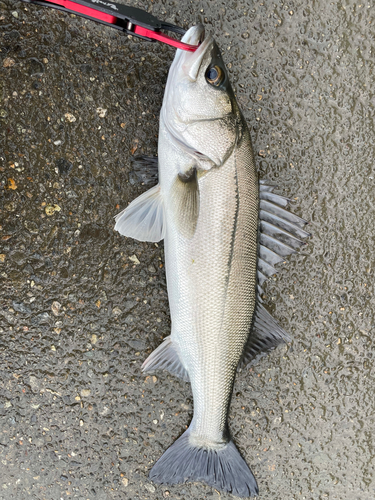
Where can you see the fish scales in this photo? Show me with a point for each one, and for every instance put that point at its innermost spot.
(211, 282)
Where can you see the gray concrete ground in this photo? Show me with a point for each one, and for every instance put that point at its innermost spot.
(81, 307)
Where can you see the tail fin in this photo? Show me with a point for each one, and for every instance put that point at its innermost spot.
(222, 468)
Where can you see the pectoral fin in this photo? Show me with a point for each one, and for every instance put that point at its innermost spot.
(185, 201)
(144, 218)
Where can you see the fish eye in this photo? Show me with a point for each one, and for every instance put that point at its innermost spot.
(215, 75)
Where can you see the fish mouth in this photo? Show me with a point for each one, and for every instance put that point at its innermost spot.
(195, 35)
(190, 62)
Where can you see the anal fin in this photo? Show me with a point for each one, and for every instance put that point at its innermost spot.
(165, 357)
(266, 334)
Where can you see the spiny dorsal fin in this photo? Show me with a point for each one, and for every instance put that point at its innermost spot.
(281, 232)
(273, 208)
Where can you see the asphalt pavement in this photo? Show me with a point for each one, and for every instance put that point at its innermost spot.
(81, 307)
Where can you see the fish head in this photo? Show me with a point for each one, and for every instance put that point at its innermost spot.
(199, 108)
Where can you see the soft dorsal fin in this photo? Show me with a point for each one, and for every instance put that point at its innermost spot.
(265, 335)
(144, 218)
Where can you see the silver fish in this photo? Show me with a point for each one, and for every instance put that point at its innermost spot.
(206, 206)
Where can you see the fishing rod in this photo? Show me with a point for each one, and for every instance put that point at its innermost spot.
(130, 20)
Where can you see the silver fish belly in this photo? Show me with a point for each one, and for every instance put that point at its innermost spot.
(207, 206)
(211, 282)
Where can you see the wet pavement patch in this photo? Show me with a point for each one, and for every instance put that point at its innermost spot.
(63, 166)
(34, 67)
